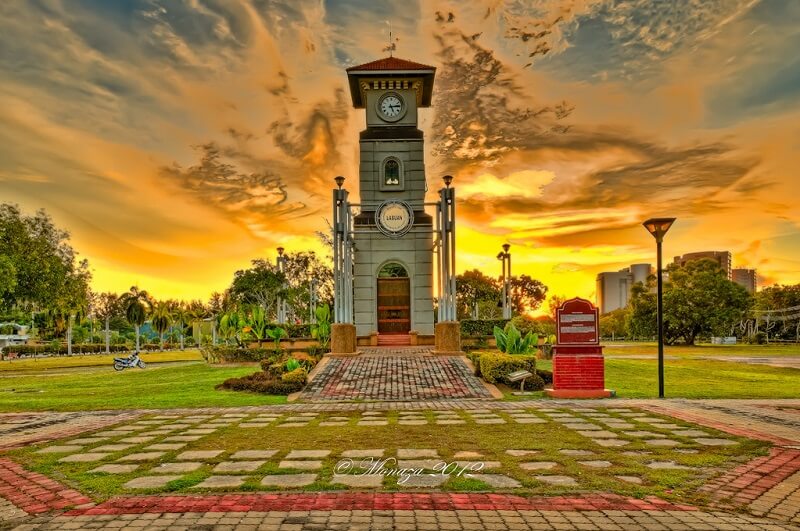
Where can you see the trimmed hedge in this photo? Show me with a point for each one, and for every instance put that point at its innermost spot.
(546, 376)
(295, 330)
(262, 382)
(481, 327)
(496, 366)
(229, 354)
(297, 376)
(61, 350)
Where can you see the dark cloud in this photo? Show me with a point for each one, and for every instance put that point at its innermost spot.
(253, 198)
(314, 139)
(682, 181)
(482, 111)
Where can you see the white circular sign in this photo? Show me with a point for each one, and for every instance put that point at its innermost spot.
(394, 218)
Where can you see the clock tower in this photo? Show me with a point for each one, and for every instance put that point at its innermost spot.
(392, 234)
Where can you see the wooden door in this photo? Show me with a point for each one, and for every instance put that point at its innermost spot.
(394, 305)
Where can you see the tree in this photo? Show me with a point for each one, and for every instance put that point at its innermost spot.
(137, 304)
(641, 318)
(614, 323)
(474, 291)
(776, 305)
(700, 300)
(554, 304)
(161, 319)
(107, 306)
(38, 266)
(260, 285)
(526, 294)
(8, 276)
(183, 315)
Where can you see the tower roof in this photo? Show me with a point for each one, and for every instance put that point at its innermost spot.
(395, 70)
(391, 63)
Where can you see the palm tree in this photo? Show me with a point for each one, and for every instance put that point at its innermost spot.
(137, 306)
(107, 305)
(182, 314)
(162, 319)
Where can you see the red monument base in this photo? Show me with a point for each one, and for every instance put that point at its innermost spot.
(578, 372)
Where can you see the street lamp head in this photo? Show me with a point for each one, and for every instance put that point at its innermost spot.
(447, 180)
(506, 247)
(658, 227)
(339, 181)
(280, 251)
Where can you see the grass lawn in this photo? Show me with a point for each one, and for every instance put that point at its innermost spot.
(92, 388)
(692, 378)
(546, 439)
(93, 360)
(620, 348)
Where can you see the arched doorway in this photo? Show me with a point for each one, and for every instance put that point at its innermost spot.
(394, 300)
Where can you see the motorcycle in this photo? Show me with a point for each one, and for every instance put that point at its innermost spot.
(127, 363)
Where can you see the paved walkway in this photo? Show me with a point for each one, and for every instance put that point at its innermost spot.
(768, 488)
(394, 374)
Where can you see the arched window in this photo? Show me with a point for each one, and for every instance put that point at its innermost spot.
(391, 172)
(392, 270)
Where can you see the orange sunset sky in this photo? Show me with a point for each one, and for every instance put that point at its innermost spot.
(177, 140)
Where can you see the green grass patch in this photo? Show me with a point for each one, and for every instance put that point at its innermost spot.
(93, 360)
(741, 350)
(489, 440)
(688, 378)
(170, 386)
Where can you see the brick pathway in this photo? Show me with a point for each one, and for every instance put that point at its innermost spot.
(769, 487)
(383, 374)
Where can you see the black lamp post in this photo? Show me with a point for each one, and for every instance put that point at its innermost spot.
(658, 227)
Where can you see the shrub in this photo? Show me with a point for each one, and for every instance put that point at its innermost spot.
(495, 367)
(296, 330)
(57, 348)
(316, 351)
(230, 354)
(475, 358)
(480, 327)
(529, 325)
(510, 341)
(297, 376)
(291, 365)
(261, 382)
(546, 376)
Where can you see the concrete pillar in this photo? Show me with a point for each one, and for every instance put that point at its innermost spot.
(343, 338)
(448, 338)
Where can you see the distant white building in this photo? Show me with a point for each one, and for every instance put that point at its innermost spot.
(19, 337)
(614, 288)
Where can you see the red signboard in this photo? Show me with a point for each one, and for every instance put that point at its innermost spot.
(576, 323)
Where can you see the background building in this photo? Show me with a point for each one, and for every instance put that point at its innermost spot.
(746, 278)
(723, 258)
(614, 288)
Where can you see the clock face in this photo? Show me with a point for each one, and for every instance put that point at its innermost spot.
(394, 218)
(391, 107)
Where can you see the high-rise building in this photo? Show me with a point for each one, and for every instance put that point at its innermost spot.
(614, 288)
(723, 258)
(746, 278)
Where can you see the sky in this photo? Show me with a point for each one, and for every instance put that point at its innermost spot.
(178, 140)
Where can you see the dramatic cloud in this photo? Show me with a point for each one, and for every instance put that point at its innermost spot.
(179, 139)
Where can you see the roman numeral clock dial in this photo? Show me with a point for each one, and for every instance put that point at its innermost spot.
(391, 107)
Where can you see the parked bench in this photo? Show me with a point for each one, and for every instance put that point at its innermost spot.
(519, 376)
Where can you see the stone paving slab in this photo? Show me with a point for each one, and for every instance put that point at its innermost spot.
(149, 482)
(220, 482)
(289, 480)
(254, 454)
